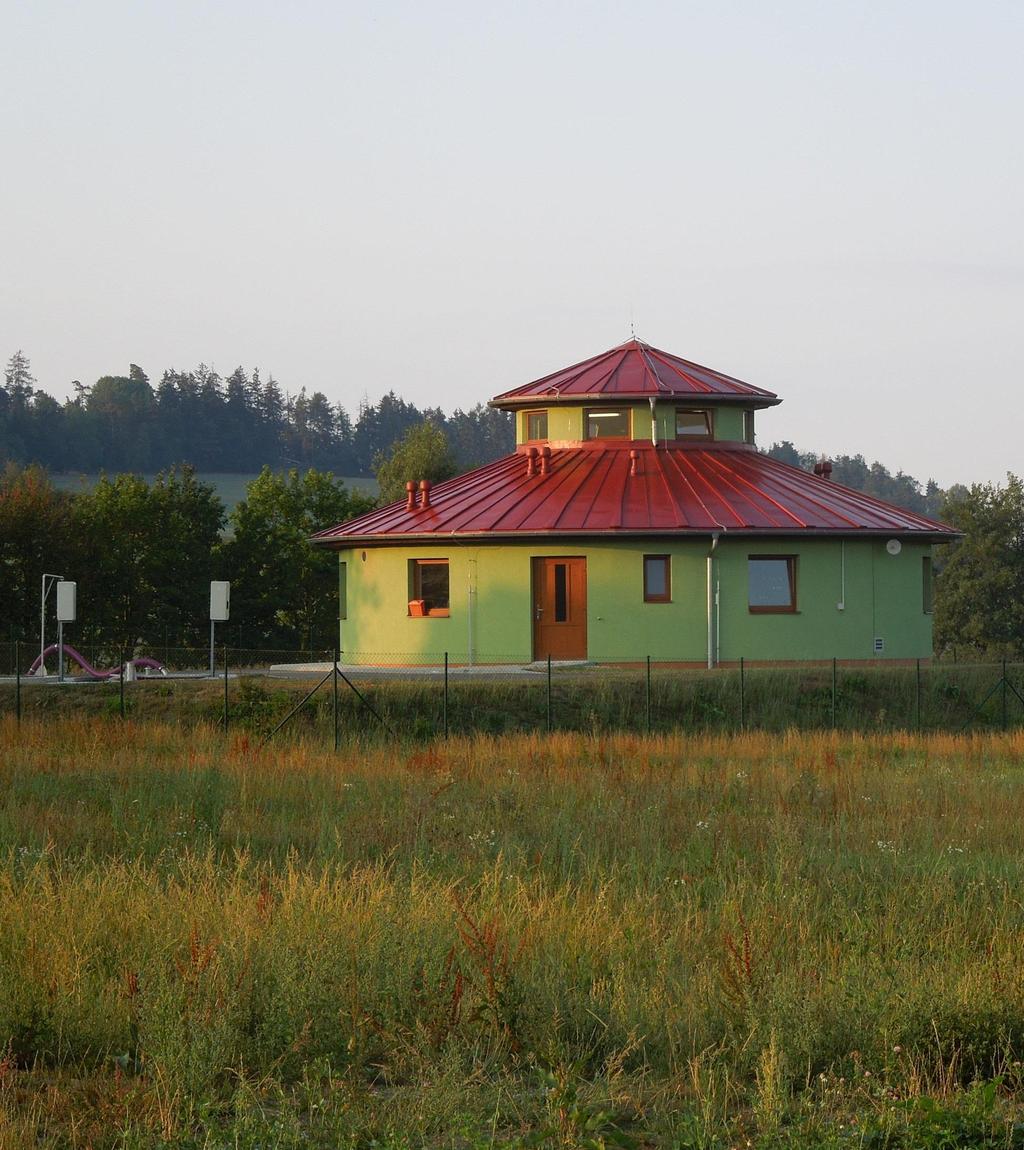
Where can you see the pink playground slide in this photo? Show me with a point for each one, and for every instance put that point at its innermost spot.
(89, 669)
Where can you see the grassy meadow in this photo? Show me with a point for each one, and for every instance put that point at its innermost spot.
(523, 940)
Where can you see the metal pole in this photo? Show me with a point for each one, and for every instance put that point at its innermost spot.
(549, 692)
(225, 688)
(17, 680)
(444, 705)
(42, 631)
(743, 695)
(1004, 694)
(60, 652)
(213, 662)
(833, 694)
(123, 657)
(918, 690)
(648, 694)
(334, 670)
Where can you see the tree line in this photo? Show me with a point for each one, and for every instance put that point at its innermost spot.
(235, 424)
(143, 555)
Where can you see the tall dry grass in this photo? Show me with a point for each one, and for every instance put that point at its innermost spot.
(642, 930)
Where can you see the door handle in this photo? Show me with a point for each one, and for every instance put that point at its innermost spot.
(540, 611)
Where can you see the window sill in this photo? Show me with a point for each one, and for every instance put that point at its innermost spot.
(773, 611)
(657, 600)
(435, 613)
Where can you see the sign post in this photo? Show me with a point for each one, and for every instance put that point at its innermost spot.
(220, 611)
(48, 582)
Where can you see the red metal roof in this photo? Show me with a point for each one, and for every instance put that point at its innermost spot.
(677, 490)
(636, 370)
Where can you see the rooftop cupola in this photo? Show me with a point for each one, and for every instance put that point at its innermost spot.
(635, 392)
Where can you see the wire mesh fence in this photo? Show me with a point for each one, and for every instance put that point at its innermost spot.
(406, 695)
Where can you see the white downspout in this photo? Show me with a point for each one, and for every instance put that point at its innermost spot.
(712, 604)
(841, 605)
(470, 592)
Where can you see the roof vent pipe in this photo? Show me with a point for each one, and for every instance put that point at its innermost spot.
(545, 460)
(410, 496)
(823, 468)
(654, 424)
(634, 462)
(531, 462)
(425, 494)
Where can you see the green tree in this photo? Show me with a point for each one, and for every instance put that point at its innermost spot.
(422, 453)
(19, 382)
(150, 557)
(284, 591)
(36, 536)
(979, 594)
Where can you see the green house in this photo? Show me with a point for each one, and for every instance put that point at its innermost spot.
(636, 517)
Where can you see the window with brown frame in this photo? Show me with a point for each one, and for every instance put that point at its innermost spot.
(657, 579)
(607, 423)
(536, 426)
(428, 588)
(748, 427)
(694, 423)
(771, 584)
(926, 584)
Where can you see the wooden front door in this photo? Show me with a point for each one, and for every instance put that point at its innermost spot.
(560, 608)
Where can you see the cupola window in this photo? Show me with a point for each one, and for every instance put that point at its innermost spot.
(694, 423)
(608, 423)
(536, 426)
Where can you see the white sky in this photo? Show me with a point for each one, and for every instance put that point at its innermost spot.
(453, 198)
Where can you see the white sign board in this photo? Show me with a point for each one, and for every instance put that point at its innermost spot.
(220, 601)
(67, 594)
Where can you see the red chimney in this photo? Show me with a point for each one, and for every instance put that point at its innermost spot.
(425, 494)
(410, 496)
(634, 462)
(531, 462)
(545, 460)
(823, 468)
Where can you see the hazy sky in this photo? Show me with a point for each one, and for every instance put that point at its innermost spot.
(449, 199)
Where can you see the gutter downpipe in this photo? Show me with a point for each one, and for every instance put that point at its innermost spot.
(712, 604)
(470, 594)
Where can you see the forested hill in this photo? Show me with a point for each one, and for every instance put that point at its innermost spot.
(872, 478)
(122, 423)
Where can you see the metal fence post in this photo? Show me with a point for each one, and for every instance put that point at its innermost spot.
(648, 694)
(334, 669)
(743, 695)
(17, 680)
(444, 700)
(549, 692)
(225, 688)
(1004, 695)
(833, 693)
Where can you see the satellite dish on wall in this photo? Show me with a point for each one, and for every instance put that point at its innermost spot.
(894, 547)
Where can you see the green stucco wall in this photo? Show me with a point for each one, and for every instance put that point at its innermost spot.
(490, 603)
(565, 423)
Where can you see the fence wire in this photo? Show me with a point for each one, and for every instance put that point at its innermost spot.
(403, 695)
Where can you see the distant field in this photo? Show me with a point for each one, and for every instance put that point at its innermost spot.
(230, 486)
(565, 941)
